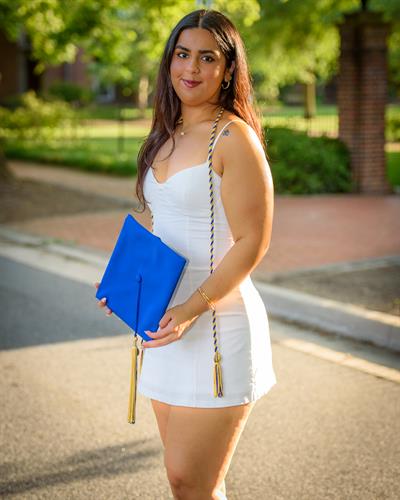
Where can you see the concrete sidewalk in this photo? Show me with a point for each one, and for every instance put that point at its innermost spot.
(309, 233)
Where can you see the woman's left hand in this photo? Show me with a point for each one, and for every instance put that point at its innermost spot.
(172, 326)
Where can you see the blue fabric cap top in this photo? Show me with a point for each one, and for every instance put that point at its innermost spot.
(140, 277)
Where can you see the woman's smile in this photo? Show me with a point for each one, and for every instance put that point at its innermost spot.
(191, 83)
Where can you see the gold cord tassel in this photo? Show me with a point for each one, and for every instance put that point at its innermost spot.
(217, 357)
(133, 382)
(141, 351)
(217, 376)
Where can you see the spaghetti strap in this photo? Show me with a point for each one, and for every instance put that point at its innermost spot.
(222, 129)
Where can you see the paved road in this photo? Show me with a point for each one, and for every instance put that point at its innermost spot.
(325, 431)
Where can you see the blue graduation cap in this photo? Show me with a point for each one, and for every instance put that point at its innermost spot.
(140, 277)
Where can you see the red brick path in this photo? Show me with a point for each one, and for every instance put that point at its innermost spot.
(308, 231)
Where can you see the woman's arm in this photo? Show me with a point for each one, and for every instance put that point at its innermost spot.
(248, 198)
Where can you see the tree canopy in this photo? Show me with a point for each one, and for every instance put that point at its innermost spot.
(296, 41)
(287, 41)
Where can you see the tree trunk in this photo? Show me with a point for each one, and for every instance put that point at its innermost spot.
(309, 100)
(6, 176)
(143, 94)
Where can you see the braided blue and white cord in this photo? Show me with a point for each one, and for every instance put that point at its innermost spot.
(218, 387)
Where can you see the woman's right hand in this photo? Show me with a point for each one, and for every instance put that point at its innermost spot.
(102, 302)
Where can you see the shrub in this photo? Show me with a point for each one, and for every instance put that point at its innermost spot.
(11, 102)
(307, 165)
(71, 93)
(35, 118)
(393, 128)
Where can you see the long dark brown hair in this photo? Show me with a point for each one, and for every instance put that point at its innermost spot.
(238, 98)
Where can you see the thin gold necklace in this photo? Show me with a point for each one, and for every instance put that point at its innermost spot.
(180, 121)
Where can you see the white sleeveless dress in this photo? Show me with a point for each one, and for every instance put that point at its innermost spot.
(181, 373)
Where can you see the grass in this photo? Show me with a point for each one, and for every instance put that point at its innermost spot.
(112, 146)
(320, 125)
(95, 154)
(107, 147)
(298, 111)
(111, 112)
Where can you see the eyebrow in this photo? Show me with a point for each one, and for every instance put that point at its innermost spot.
(202, 51)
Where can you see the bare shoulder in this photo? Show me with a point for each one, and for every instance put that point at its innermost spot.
(240, 145)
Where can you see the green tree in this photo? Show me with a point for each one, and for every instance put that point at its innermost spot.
(299, 41)
(288, 41)
(123, 40)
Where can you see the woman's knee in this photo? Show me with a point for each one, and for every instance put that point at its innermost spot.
(182, 481)
(187, 482)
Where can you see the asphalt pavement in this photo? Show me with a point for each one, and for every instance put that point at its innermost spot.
(327, 430)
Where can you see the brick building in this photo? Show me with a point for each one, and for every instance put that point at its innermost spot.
(17, 72)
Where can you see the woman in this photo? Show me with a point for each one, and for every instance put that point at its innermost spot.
(204, 92)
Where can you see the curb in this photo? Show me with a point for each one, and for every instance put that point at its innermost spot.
(288, 305)
(52, 245)
(331, 316)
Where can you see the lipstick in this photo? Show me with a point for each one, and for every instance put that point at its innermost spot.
(191, 83)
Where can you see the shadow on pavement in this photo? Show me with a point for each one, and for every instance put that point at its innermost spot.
(102, 462)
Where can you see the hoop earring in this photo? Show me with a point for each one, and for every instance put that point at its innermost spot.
(228, 82)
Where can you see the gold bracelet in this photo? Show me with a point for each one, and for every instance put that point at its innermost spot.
(210, 303)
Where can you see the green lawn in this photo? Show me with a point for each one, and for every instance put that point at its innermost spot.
(112, 112)
(103, 154)
(105, 147)
(112, 146)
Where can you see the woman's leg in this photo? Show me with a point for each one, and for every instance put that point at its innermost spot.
(199, 446)
(161, 411)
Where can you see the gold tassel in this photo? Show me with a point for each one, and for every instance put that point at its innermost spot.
(217, 376)
(133, 382)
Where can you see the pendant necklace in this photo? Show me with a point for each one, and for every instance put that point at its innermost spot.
(180, 121)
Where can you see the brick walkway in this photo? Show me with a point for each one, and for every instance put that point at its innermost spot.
(308, 231)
